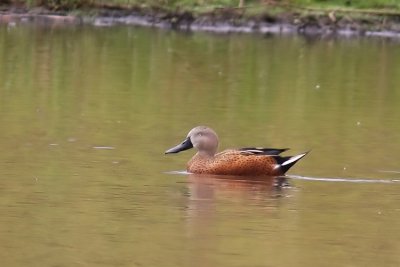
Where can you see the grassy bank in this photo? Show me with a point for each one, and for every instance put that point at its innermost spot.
(361, 17)
(201, 5)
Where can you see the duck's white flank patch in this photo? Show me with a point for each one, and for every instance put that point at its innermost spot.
(254, 151)
(293, 159)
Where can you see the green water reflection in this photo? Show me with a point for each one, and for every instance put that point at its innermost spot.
(86, 114)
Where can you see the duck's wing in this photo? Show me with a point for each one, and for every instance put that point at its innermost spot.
(262, 151)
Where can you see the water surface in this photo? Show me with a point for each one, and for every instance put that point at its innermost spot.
(86, 114)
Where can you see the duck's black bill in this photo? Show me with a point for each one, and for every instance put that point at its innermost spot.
(185, 145)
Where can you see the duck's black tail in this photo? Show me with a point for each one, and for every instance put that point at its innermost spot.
(285, 163)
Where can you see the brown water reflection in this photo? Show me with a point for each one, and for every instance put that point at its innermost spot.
(258, 188)
(205, 191)
(206, 225)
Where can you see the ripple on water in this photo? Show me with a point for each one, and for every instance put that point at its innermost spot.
(322, 179)
(343, 179)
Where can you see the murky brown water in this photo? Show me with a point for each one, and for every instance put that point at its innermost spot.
(87, 113)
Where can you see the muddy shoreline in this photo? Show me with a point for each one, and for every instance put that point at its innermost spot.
(217, 21)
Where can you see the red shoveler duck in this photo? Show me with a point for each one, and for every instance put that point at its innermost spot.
(244, 161)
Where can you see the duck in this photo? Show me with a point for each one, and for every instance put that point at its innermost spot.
(250, 161)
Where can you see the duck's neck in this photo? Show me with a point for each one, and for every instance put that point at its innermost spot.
(205, 154)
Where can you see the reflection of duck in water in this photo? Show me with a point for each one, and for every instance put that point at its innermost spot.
(208, 186)
(244, 161)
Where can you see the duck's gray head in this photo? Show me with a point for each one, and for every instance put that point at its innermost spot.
(203, 138)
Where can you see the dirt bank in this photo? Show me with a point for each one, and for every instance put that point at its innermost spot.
(221, 20)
